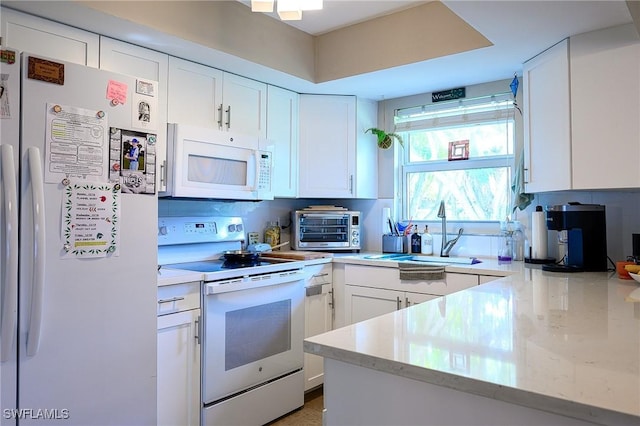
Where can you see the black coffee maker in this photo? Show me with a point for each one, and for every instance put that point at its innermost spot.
(582, 237)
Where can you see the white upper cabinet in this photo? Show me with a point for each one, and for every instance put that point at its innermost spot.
(582, 113)
(50, 39)
(144, 63)
(547, 127)
(605, 109)
(207, 97)
(195, 94)
(330, 166)
(244, 105)
(367, 150)
(282, 132)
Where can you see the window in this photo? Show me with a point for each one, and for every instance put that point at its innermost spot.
(460, 152)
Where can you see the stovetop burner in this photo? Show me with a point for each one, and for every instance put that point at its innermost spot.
(238, 265)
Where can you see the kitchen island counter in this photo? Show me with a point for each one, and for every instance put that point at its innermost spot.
(531, 348)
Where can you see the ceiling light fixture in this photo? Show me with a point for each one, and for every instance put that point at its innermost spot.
(288, 10)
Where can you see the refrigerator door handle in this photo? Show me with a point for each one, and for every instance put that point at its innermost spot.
(37, 289)
(10, 280)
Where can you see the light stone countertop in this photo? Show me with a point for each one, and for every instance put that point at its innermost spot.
(564, 343)
(168, 276)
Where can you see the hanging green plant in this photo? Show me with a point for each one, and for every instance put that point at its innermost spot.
(385, 140)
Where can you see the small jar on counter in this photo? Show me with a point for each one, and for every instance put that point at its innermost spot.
(272, 234)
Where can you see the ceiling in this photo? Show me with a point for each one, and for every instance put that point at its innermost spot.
(518, 29)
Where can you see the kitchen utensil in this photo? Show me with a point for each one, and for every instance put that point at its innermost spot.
(392, 230)
(296, 255)
(263, 247)
(252, 254)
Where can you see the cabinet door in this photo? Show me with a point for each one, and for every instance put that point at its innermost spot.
(39, 36)
(179, 369)
(245, 105)
(487, 278)
(140, 62)
(366, 182)
(458, 282)
(547, 128)
(327, 146)
(282, 132)
(195, 94)
(411, 299)
(318, 319)
(605, 132)
(363, 303)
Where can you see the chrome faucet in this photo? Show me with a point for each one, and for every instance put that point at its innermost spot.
(446, 245)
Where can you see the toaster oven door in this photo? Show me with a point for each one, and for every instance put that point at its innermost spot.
(323, 230)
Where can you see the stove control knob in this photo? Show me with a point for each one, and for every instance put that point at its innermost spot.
(162, 230)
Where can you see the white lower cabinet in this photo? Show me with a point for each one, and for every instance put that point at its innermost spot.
(371, 291)
(486, 278)
(179, 355)
(366, 302)
(318, 318)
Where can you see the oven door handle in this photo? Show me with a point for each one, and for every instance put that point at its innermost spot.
(255, 281)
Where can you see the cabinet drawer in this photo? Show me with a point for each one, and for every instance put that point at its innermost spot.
(389, 278)
(371, 276)
(178, 297)
(319, 274)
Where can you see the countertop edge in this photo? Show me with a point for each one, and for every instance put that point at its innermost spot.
(473, 386)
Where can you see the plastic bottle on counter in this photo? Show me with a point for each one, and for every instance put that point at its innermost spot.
(426, 242)
(272, 234)
(416, 244)
(518, 244)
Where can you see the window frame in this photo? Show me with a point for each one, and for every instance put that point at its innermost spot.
(498, 161)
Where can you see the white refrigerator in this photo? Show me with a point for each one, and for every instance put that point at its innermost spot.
(78, 327)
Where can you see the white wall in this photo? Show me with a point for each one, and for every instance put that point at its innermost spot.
(622, 215)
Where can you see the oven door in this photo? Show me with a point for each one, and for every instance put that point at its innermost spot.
(253, 332)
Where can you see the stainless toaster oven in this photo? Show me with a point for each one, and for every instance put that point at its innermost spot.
(330, 230)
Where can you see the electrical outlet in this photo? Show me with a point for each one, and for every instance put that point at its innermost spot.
(253, 237)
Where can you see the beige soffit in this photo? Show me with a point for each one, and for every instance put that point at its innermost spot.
(413, 35)
(225, 26)
(424, 32)
(634, 9)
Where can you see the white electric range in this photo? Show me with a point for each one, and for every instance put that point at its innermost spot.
(253, 321)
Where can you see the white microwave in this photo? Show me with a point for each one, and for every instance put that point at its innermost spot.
(209, 163)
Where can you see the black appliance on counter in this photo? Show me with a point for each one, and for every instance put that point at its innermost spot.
(582, 237)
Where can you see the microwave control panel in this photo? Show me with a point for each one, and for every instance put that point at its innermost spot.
(264, 179)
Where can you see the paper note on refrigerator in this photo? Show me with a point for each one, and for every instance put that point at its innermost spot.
(77, 144)
(90, 220)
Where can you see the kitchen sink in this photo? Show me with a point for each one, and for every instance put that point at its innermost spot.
(390, 256)
(423, 258)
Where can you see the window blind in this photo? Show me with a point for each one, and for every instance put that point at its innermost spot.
(455, 113)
